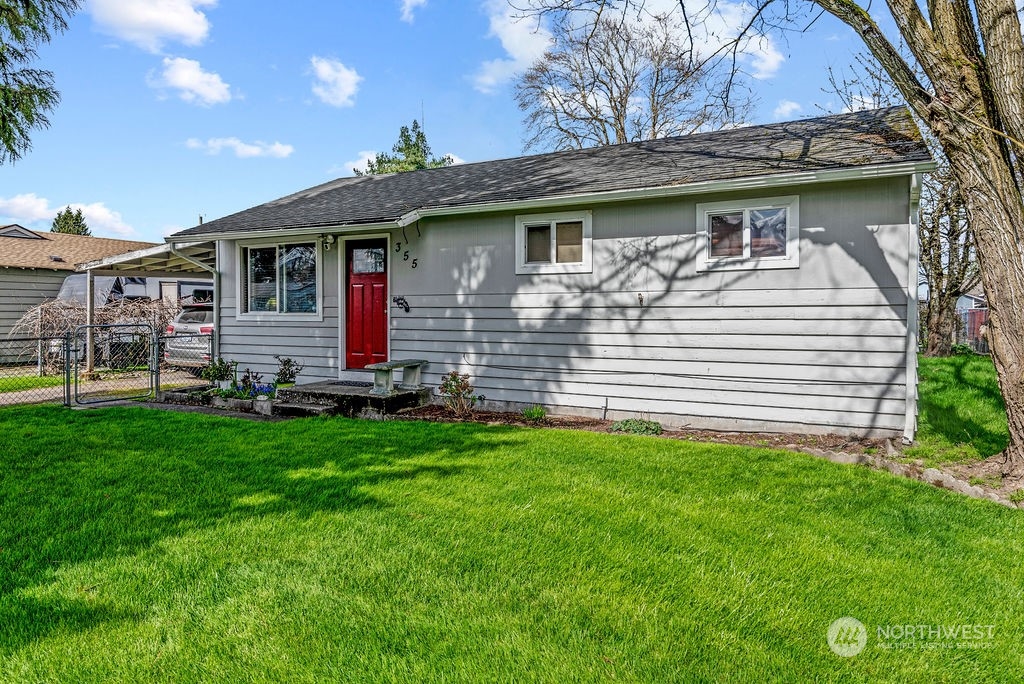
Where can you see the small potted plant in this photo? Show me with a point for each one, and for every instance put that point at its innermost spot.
(287, 369)
(220, 372)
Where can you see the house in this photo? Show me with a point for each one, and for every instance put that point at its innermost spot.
(33, 266)
(759, 278)
(972, 308)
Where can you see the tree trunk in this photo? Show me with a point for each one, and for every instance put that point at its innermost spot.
(997, 213)
(941, 317)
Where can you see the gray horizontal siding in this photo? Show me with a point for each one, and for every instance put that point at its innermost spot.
(254, 344)
(21, 289)
(818, 348)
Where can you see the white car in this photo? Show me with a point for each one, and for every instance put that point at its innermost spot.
(187, 339)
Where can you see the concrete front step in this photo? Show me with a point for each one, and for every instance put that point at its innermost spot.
(300, 410)
(346, 399)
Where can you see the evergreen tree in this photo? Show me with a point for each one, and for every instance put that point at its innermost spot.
(72, 222)
(411, 153)
(27, 94)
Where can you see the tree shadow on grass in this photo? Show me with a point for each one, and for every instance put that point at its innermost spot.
(954, 383)
(84, 486)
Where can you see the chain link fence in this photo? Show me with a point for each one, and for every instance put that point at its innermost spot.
(972, 330)
(112, 362)
(182, 360)
(99, 363)
(33, 370)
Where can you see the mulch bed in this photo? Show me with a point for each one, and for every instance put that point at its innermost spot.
(796, 442)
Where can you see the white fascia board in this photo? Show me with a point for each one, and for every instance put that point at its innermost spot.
(754, 182)
(154, 251)
(302, 231)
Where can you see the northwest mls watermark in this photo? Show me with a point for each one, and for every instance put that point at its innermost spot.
(848, 636)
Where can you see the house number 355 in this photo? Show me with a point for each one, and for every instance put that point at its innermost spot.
(405, 255)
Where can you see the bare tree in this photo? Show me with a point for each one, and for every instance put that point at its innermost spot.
(949, 267)
(624, 79)
(949, 264)
(970, 95)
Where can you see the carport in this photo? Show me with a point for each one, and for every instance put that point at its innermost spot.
(169, 260)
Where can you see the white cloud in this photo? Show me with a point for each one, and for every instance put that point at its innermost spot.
(409, 7)
(27, 208)
(364, 159)
(335, 84)
(712, 27)
(150, 23)
(859, 103)
(523, 41)
(456, 159)
(194, 85)
(102, 219)
(716, 25)
(31, 209)
(786, 109)
(242, 150)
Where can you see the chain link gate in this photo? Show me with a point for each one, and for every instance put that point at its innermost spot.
(113, 362)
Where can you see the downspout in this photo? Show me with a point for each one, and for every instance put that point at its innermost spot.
(913, 266)
(215, 347)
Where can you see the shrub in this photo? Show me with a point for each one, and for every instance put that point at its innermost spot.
(287, 369)
(458, 393)
(637, 426)
(961, 350)
(218, 370)
(535, 414)
(250, 379)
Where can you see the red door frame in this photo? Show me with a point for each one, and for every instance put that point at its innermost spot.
(366, 308)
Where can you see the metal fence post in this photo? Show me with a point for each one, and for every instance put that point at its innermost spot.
(67, 368)
(155, 363)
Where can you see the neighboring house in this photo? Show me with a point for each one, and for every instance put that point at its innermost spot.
(973, 311)
(33, 266)
(975, 299)
(759, 278)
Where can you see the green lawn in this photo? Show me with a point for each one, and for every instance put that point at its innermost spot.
(144, 546)
(17, 383)
(962, 417)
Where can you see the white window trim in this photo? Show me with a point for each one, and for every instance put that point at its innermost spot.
(243, 272)
(705, 262)
(585, 266)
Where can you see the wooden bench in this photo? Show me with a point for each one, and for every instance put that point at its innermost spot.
(384, 375)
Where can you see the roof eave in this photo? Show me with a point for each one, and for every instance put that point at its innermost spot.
(294, 231)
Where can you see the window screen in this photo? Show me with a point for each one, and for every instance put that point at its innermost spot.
(538, 244)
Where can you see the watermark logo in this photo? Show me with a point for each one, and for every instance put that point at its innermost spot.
(847, 637)
(958, 636)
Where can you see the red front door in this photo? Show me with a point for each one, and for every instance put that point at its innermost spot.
(366, 339)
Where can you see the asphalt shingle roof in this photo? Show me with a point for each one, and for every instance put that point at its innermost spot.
(24, 252)
(844, 141)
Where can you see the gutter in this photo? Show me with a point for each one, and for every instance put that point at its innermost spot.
(173, 247)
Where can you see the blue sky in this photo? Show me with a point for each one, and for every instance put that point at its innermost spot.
(175, 108)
